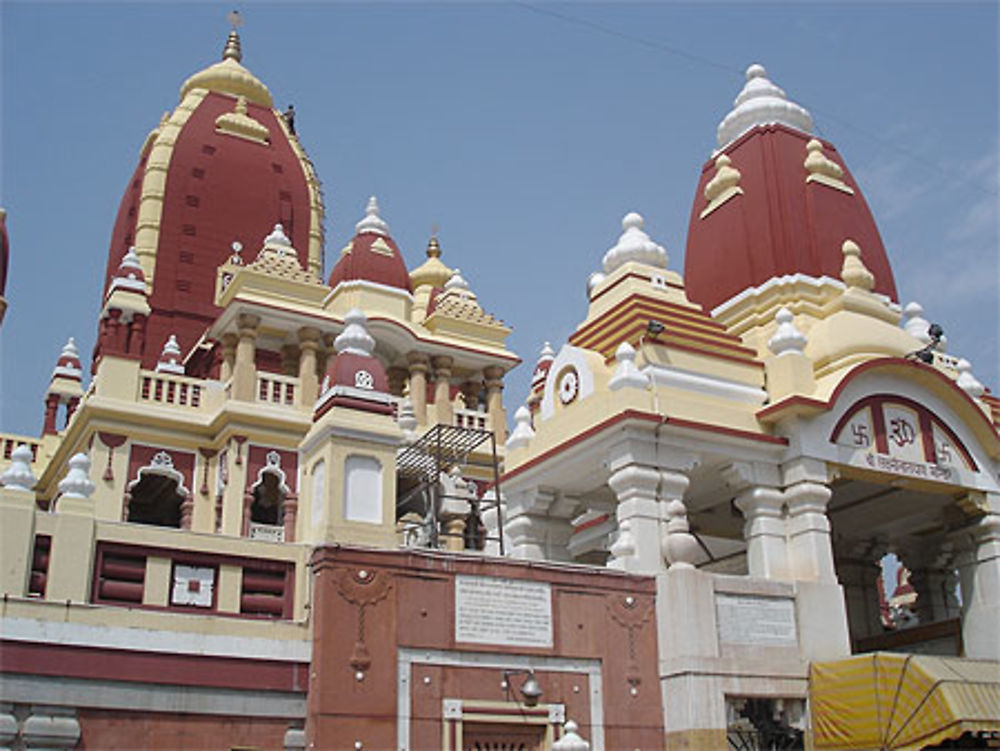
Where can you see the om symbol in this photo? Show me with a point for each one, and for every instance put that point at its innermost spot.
(902, 432)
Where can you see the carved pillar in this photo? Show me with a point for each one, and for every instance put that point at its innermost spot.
(308, 383)
(137, 334)
(494, 401)
(244, 367)
(979, 572)
(71, 405)
(638, 545)
(537, 525)
(228, 344)
(443, 412)
(454, 538)
(247, 511)
(187, 511)
(116, 332)
(289, 511)
(764, 532)
(418, 385)
(397, 380)
(810, 555)
(51, 412)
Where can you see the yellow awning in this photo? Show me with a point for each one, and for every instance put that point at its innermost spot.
(895, 701)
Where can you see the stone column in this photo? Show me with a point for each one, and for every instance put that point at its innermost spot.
(494, 401)
(51, 413)
(764, 532)
(537, 526)
(244, 366)
(289, 513)
(639, 514)
(397, 380)
(979, 572)
(308, 382)
(228, 344)
(810, 554)
(443, 412)
(187, 511)
(418, 385)
(137, 334)
(71, 405)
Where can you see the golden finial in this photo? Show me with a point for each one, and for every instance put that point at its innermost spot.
(232, 50)
(433, 248)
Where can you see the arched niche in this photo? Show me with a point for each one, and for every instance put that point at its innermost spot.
(157, 495)
(269, 503)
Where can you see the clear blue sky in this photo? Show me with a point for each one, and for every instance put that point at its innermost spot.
(524, 130)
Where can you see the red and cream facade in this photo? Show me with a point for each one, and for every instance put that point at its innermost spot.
(203, 549)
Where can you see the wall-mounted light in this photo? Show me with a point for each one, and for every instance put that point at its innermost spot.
(531, 692)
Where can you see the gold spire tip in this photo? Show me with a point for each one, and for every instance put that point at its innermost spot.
(232, 50)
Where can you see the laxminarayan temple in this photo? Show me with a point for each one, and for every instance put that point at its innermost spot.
(283, 511)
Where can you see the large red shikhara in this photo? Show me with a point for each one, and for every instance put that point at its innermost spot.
(219, 189)
(780, 224)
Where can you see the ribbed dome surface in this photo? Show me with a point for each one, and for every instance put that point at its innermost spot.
(779, 222)
(218, 188)
(372, 258)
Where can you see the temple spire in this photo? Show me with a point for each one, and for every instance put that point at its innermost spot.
(233, 50)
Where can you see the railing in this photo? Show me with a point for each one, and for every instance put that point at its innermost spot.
(471, 418)
(269, 532)
(9, 442)
(177, 391)
(276, 389)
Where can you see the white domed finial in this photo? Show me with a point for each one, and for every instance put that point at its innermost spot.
(634, 245)
(571, 740)
(680, 548)
(915, 324)
(355, 339)
(787, 338)
(68, 365)
(372, 221)
(523, 432)
(77, 482)
(593, 280)
(69, 350)
(19, 475)
(627, 374)
(761, 102)
(130, 264)
(456, 281)
(967, 381)
(277, 237)
(546, 353)
(170, 357)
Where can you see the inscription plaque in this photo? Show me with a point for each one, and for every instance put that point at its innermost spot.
(762, 621)
(508, 612)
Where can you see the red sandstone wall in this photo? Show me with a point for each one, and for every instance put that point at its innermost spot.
(407, 599)
(153, 731)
